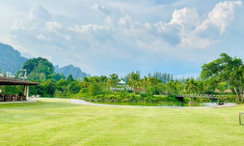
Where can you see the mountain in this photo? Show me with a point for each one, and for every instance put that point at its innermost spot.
(10, 59)
(71, 70)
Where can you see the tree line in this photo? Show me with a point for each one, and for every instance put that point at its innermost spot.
(223, 73)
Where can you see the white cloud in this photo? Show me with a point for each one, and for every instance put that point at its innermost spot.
(194, 41)
(88, 28)
(180, 30)
(42, 37)
(53, 26)
(19, 24)
(130, 36)
(36, 18)
(125, 21)
(103, 9)
(38, 13)
(186, 18)
(68, 37)
(221, 16)
(109, 21)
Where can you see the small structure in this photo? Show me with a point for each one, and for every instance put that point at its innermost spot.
(15, 82)
(217, 91)
(228, 91)
(122, 83)
(121, 86)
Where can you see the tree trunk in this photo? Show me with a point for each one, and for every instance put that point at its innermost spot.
(242, 96)
(241, 93)
(237, 94)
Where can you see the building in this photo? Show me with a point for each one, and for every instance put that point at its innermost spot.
(228, 91)
(121, 86)
(15, 82)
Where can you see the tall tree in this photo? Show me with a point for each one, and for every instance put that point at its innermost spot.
(193, 87)
(38, 69)
(134, 79)
(70, 78)
(113, 79)
(226, 69)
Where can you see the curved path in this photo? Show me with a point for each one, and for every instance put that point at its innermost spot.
(82, 102)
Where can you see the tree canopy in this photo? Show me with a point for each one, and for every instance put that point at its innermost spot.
(226, 69)
(223, 73)
(38, 69)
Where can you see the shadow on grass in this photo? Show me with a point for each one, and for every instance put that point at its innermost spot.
(50, 104)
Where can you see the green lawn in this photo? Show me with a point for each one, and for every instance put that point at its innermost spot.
(56, 122)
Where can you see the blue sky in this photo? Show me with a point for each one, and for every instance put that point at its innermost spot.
(119, 36)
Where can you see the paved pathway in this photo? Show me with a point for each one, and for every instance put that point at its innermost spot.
(82, 102)
(29, 100)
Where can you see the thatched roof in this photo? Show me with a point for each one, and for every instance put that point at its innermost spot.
(228, 91)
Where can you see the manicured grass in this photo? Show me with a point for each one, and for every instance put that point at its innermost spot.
(56, 122)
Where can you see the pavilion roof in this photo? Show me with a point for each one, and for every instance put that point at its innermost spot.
(16, 82)
(122, 82)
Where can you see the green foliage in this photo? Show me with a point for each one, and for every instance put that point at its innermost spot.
(173, 87)
(134, 79)
(226, 69)
(11, 90)
(61, 85)
(150, 89)
(74, 87)
(153, 88)
(57, 76)
(193, 86)
(94, 89)
(38, 69)
(47, 89)
(153, 81)
(227, 98)
(222, 86)
(70, 79)
(113, 80)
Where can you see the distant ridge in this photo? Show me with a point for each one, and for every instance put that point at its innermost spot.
(10, 59)
(71, 70)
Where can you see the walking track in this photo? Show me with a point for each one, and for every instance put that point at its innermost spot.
(82, 102)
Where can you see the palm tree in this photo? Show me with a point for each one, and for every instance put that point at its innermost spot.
(134, 79)
(114, 79)
(191, 86)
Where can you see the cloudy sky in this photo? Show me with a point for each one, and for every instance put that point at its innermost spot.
(107, 36)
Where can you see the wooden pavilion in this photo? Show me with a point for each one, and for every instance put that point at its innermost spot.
(15, 82)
